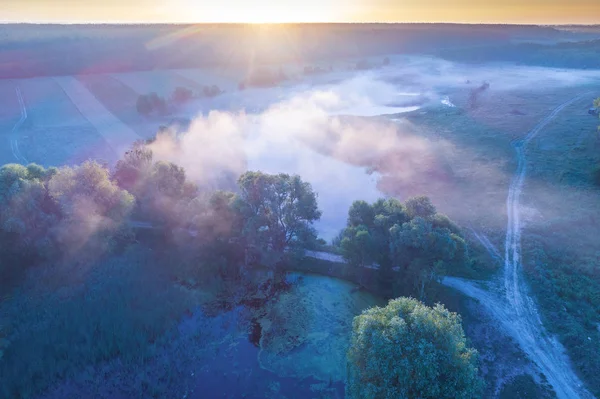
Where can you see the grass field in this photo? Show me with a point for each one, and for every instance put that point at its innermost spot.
(560, 206)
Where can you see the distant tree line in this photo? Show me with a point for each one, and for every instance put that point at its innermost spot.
(152, 103)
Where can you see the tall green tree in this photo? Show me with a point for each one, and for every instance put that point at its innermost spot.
(92, 208)
(408, 350)
(161, 189)
(424, 252)
(27, 213)
(412, 237)
(278, 211)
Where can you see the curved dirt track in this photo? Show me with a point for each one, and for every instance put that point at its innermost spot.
(518, 312)
(14, 134)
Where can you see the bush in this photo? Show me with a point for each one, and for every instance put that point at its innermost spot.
(182, 95)
(211, 91)
(151, 103)
(143, 105)
(409, 350)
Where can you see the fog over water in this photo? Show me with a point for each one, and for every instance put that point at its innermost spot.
(310, 127)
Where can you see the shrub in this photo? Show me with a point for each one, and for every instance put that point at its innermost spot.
(211, 91)
(181, 95)
(143, 105)
(409, 350)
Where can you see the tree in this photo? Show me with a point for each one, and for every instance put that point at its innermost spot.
(134, 167)
(143, 105)
(92, 208)
(423, 244)
(182, 95)
(408, 350)
(424, 252)
(211, 91)
(149, 103)
(27, 213)
(420, 206)
(278, 210)
(358, 246)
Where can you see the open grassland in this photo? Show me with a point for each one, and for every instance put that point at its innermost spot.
(55, 131)
(118, 135)
(10, 110)
(10, 114)
(119, 100)
(560, 206)
(48, 105)
(69, 145)
(477, 154)
(562, 230)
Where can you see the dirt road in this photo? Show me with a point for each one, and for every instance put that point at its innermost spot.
(518, 311)
(513, 306)
(14, 134)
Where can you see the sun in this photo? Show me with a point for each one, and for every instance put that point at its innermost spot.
(260, 12)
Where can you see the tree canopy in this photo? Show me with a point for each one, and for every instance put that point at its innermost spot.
(412, 237)
(278, 210)
(408, 350)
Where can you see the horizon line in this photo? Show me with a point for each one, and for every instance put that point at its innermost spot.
(296, 23)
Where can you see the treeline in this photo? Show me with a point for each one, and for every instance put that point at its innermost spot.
(85, 211)
(114, 256)
(581, 55)
(51, 50)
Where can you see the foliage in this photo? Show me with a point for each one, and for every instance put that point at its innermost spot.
(27, 213)
(92, 208)
(211, 91)
(423, 252)
(52, 212)
(278, 211)
(147, 104)
(134, 166)
(161, 189)
(182, 95)
(408, 350)
(412, 237)
(419, 207)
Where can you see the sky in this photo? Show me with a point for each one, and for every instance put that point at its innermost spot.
(469, 11)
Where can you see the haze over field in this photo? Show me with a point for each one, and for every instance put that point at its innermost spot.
(218, 210)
